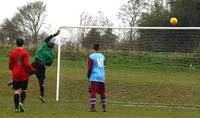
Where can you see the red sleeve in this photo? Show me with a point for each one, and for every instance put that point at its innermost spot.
(90, 65)
(10, 62)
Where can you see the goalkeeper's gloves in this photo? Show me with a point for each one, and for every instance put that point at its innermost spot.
(58, 32)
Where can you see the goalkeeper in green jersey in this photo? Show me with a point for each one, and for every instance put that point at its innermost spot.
(44, 57)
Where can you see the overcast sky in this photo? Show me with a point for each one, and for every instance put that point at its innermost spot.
(65, 12)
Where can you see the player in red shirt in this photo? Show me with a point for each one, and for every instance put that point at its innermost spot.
(20, 67)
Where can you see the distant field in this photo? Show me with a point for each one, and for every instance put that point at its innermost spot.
(135, 89)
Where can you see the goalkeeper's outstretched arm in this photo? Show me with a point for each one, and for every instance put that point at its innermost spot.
(48, 39)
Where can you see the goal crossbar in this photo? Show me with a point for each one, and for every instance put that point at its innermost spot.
(109, 27)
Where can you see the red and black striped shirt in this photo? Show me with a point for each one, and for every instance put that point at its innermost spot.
(19, 64)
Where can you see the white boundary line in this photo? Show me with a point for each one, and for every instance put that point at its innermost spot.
(156, 105)
(153, 105)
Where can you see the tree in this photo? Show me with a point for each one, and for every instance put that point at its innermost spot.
(108, 40)
(9, 31)
(129, 13)
(101, 20)
(30, 18)
(92, 37)
(87, 20)
(187, 13)
(153, 40)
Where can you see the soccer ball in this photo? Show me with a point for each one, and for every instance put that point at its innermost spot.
(173, 21)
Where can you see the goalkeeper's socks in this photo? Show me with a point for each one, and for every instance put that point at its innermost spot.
(41, 90)
(16, 101)
(23, 97)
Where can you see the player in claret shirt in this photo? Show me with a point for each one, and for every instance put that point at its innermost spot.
(20, 67)
(96, 77)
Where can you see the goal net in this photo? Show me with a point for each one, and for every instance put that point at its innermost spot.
(139, 61)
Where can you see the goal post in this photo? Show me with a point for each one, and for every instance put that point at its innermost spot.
(58, 72)
(169, 40)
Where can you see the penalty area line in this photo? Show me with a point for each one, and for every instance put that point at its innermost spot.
(153, 105)
(156, 105)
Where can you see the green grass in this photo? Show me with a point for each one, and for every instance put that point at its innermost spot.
(130, 84)
(76, 110)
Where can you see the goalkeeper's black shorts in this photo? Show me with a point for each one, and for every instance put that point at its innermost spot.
(40, 73)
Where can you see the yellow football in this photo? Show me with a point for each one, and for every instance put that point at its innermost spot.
(173, 21)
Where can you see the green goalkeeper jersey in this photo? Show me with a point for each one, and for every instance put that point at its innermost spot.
(45, 54)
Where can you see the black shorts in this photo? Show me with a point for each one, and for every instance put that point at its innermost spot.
(40, 73)
(20, 85)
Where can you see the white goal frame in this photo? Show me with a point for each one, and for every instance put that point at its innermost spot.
(106, 27)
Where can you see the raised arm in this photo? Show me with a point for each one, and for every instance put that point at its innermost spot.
(48, 39)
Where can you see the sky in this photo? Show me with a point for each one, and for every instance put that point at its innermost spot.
(66, 12)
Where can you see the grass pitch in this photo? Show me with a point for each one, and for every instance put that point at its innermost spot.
(134, 90)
